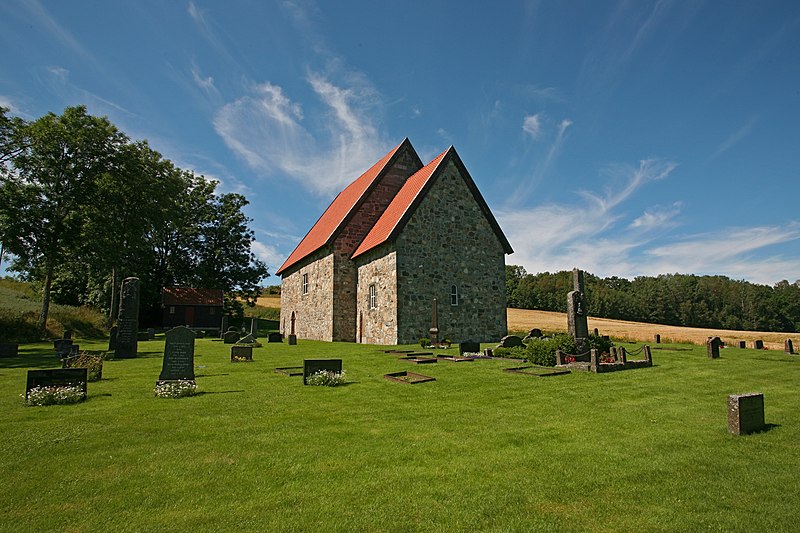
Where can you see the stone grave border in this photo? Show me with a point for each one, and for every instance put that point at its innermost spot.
(525, 370)
(414, 377)
(618, 355)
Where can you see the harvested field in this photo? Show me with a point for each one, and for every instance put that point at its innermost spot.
(526, 319)
(549, 321)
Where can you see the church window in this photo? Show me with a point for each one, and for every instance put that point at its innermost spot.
(453, 295)
(372, 303)
(305, 283)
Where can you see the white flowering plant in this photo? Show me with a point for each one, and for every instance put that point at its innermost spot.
(327, 378)
(53, 395)
(175, 389)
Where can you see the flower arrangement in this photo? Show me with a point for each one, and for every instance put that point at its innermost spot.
(53, 395)
(326, 378)
(240, 359)
(569, 359)
(607, 358)
(175, 389)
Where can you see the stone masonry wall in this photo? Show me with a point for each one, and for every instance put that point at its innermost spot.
(344, 270)
(314, 310)
(448, 241)
(378, 325)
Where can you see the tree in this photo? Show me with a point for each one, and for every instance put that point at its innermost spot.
(60, 159)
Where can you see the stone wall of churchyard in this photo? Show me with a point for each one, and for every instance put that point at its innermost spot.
(314, 309)
(378, 324)
(447, 242)
(345, 273)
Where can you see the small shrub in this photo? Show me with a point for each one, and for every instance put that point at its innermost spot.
(55, 395)
(175, 389)
(600, 344)
(542, 351)
(517, 352)
(326, 378)
(424, 342)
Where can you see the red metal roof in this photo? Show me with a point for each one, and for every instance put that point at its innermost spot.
(333, 217)
(400, 205)
(188, 296)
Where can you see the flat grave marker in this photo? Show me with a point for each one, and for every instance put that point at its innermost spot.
(312, 366)
(56, 377)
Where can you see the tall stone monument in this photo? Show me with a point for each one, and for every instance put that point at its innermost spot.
(178, 355)
(128, 319)
(577, 323)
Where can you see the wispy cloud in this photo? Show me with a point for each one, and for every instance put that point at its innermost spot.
(207, 83)
(528, 185)
(58, 80)
(40, 17)
(735, 137)
(266, 129)
(657, 217)
(532, 125)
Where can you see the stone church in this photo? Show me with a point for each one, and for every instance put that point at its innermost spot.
(397, 237)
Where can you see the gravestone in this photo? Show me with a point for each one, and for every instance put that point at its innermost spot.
(469, 347)
(128, 319)
(178, 355)
(223, 327)
(92, 363)
(596, 332)
(112, 338)
(231, 337)
(434, 331)
(247, 339)
(151, 333)
(275, 337)
(510, 341)
(254, 327)
(312, 366)
(758, 344)
(292, 340)
(577, 323)
(9, 349)
(56, 377)
(657, 338)
(241, 352)
(742, 344)
(142, 336)
(788, 347)
(535, 333)
(712, 347)
(63, 347)
(745, 413)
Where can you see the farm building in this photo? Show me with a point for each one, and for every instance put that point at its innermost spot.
(195, 308)
(397, 237)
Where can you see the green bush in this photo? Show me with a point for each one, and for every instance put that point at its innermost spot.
(424, 342)
(517, 352)
(542, 351)
(600, 344)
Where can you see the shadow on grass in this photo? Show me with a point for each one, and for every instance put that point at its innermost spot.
(201, 393)
(210, 375)
(31, 361)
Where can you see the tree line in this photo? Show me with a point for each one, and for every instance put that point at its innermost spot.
(674, 299)
(82, 206)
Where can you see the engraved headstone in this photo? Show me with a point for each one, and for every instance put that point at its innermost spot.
(254, 327)
(788, 347)
(223, 327)
(657, 338)
(745, 413)
(56, 377)
(712, 347)
(535, 333)
(63, 347)
(231, 337)
(128, 319)
(275, 337)
(577, 323)
(247, 339)
(742, 344)
(758, 344)
(178, 355)
(292, 340)
(312, 366)
(241, 352)
(510, 341)
(469, 347)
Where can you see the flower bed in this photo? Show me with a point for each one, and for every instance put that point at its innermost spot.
(53, 395)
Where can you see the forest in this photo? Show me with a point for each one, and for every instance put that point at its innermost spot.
(82, 206)
(674, 299)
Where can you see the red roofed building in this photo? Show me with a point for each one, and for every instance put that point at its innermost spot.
(195, 308)
(399, 236)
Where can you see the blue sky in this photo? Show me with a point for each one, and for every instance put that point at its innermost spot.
(624, 138)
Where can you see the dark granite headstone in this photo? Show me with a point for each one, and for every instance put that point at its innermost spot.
(63, 347)
(9, 349)
(758, 344)
(745, 413)
(231, 337)
(292, 340)
(247, 339)
(657, 338)
(510, 341)
(275, 337)
(469, 347)
(312, 366)
(112, 338)
(712, 347)
(56, 377)
(223, 326)
(254, 327)
(535, 333)
(596, 332)
(128, 319)
(241, 352)
(788, 347)
(577, 321)
(178, 355)
(742, 344)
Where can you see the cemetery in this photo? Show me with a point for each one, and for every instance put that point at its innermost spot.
(516, 424)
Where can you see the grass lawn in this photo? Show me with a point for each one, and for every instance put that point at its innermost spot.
(476, 450)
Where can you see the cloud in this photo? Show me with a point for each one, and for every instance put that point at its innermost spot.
(734, 138)
(269, 254)
(57, 79)
(265, 128)
(6, 102)
(527, 186)
(207, 84)
(656, 218)
(532, 125)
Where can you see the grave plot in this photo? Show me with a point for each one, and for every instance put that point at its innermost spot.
(454, 358)
(593, 361)
(54, 386)
(419, 359)
(312, 366)
(92, 363)
(537, 371)
(290, 370)
(408, 377)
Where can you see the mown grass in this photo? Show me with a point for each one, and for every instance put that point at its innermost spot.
(476, 450)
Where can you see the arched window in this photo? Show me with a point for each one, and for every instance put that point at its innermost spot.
(453, 295)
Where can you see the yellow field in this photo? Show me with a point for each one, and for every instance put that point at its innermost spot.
(548, 321)
(525, 319)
